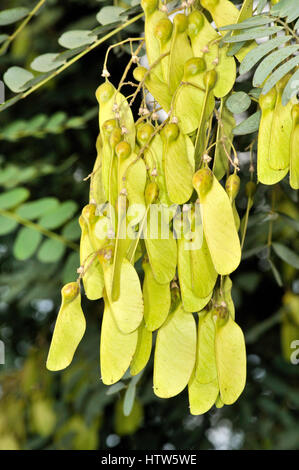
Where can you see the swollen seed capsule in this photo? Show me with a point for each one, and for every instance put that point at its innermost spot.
(109, 125)
(89, 213)
(151, 193)
(163, 30)
(70, 291)
(210, 78)
(139, 72)
(144, 133)
(123, 149)
(180, 22)
(202, 181)
(196, 21)
(106, 255)
(104, 92)
(250, 189)
(194, 66)
(171, 131)
(149, 5)
(115, 137)
(232, 186)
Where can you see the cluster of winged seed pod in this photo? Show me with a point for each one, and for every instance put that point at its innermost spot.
(156, 200)
(278, 138)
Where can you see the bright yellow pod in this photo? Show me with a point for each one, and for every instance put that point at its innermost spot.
(69, 328)
(128, 308)
(203, 37)
(206, 370)
(174, 353)
(96, 191)
(143, 350)
(108, 97)
(279, 150)
(224, 139)
(116, 348)
(162, 252)
(180, 51)
(225, 12)
(294, 146)
(265, 173)
(152, 18)
(189, 98)
(192, 302)
(219, 225)
(156, 299)
(201, 396)
(230, 359)
(93, 278)
(176, 161)
(158, 88)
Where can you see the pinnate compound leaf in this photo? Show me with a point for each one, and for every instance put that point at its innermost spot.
(270, 62)
(280, 73)
(58, 216)
(259, 52)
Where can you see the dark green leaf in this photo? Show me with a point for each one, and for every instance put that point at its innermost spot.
(291, 88)
(7, 225)
(254, 33)
(16, 78)
(58, 216)
(12, 15)
(33, 210)
(270, 62)
(279, 74)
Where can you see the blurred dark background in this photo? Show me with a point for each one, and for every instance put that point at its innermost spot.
(48, 152)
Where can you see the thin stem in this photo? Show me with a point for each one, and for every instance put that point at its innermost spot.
(249, 200)
(77, 57)
(39, 228)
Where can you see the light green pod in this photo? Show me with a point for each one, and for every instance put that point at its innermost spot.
(152, 18)
(180, 51)
(189, 98)
(176, 161)
(143, 350)
(128, 308)
(156, 299)
(225, 12)
(158, 88)
(93, 278)
(96, 191)
(174, 353)
(153, 156)
(279, 150)
(162, 252)
(108, 97)
(265, 173)
(116, 348)
(219, 228)
(201, 396)
(192, 302)
(294, 145)
(224, 139)
(69, 328)
(230, 360)
(206, 370)
(203, 37)
(163, 32)
(203, 272)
